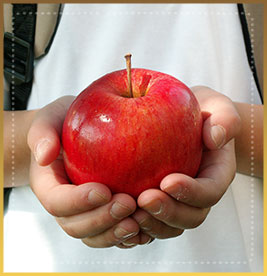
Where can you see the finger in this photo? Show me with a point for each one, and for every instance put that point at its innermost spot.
(140, 239)
(224, 122)
(153, 227)
(61, 199)
(169, 211)
(145, 238)
(44, 134)
(216, 173)
(115, 235)
(98, 220)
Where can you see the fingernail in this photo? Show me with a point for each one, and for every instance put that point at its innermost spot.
(218, 135)
(176, 191)
(40, 149)
(121, 233)
(119, 210)
(149, 241)
(154, 207)
(129, 244)
(96, 198)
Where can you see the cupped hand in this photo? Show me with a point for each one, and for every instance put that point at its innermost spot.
(183, 202)
(89, 211)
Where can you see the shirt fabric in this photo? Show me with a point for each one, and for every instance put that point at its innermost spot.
(199, 44)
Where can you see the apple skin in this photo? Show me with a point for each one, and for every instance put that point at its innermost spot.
(131, 144)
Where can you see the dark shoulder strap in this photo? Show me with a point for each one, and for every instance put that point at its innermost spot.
(21, 46)
(18, 60)
(19, 54)
(255, 51)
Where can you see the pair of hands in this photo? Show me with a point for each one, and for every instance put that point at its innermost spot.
(91, 213)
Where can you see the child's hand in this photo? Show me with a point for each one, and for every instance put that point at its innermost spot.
(184, 202)
(89, 211)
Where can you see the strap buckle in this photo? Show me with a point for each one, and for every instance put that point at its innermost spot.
(18, 59)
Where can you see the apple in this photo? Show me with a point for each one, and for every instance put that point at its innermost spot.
(131, 128)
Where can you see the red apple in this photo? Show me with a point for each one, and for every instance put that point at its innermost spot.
(131, 143)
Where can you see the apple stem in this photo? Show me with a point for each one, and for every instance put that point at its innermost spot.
(129, 74)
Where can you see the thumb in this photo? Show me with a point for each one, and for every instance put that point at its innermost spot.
(44, 134)
(221, 121)
(221, 127)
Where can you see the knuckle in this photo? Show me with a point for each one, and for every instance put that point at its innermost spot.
(86, 241)
(70, 230)
(214, 199)
(235, 122)
(179, 232)
(214, 195)
(236, 119)
(90, 242)
(96, 225)
(112, 240)
(232, 177)
(170, 218)
(199, 88)
(45, 200)
(76, 203)
(197, 222)
(146, 224)
(171, 233)
(218, 192)
(199, 219)
(102, 241)
(50, 208)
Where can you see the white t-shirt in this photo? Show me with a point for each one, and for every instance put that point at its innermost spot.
(200, 44)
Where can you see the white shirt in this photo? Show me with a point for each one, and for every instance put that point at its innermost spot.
(196, 43)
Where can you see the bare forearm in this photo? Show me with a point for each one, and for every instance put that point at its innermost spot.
(16, 150)
(249, 142)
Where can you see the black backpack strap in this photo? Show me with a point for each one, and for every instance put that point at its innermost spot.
(19, 54)
(247, 40)
(18, 60)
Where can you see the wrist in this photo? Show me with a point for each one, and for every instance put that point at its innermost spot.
(249, 141)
